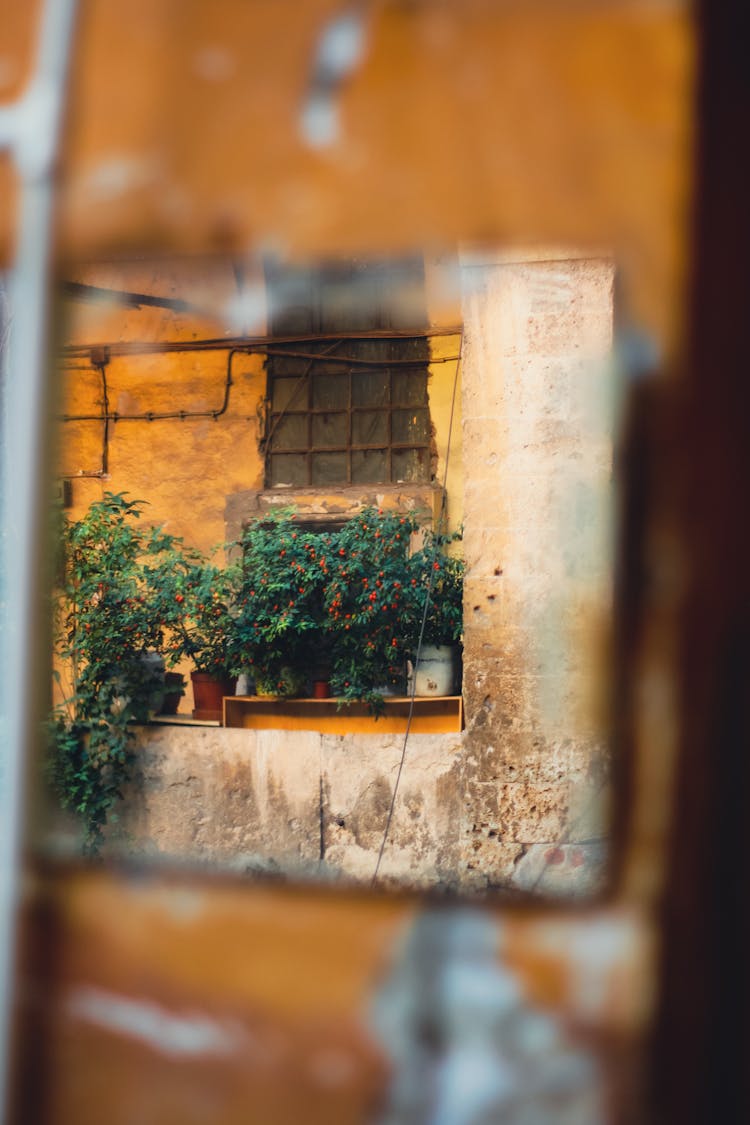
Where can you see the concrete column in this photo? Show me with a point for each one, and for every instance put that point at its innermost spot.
(537, 441)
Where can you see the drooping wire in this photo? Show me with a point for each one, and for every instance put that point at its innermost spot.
(428, 598)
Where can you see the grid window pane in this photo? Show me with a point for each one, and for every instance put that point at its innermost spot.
(370, 388)
(410, 425)
(330, 429)
(289, 392)
(409, 388)
(369, 427)
(290, 432)
(288, 469)
(330, 392)
(328, 468)
(349, 421)
(369, 466)
(410, 465)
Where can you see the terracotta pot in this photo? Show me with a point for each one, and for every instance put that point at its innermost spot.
(208, 694)
(321, 689)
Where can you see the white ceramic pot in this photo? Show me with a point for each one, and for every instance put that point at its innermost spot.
(436, 670)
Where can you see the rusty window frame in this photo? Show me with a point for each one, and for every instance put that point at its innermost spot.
(301, 404)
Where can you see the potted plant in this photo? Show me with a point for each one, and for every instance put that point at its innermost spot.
(279, 622)
(436, 583)
(198, 606)
(369, 605)
(108, 635)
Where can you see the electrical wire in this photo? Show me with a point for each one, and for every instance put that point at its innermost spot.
(157, 416)
(430, 580)
(249, 343)
(105, 415)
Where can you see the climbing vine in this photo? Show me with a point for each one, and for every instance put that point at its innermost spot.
(108, 625)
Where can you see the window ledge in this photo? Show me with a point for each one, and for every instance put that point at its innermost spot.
(432, 715)
(336, 504)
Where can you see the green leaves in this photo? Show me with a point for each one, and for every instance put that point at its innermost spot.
(351, 599)
(198, 601)
(348, 603)
(280, 603)
(109, 617)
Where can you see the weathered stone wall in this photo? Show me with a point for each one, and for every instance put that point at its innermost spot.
(519, 798)
(537, 513)
(295, 802)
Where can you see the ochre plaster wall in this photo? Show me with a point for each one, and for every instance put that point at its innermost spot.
(187, 469)
(184, 469)
(196, 474)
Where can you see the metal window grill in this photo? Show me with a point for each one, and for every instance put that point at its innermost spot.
(336, 424)
(345, 408)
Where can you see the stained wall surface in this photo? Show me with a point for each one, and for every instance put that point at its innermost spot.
(199, 474)
(520, 798)
(537, 417)
(295, 803)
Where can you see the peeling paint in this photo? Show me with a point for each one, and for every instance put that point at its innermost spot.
(466, 1046)
(340, 50)
(116, 175)
(181, 1036)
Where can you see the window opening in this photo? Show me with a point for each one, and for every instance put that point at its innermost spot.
(362, 419)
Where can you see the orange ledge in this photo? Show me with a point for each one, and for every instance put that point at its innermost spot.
(432, 715)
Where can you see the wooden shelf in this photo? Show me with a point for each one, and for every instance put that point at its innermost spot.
(432, 715)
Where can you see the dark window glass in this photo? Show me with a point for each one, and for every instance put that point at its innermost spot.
(369, 428)
(329, 468)
(369, 466)
(410, 464)
(370, 388)
(410, 426)
(285, 391)
(290, 432)
(330, 429)
(330, 391)
(410, 388)
(362, 391)
(291, 469)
